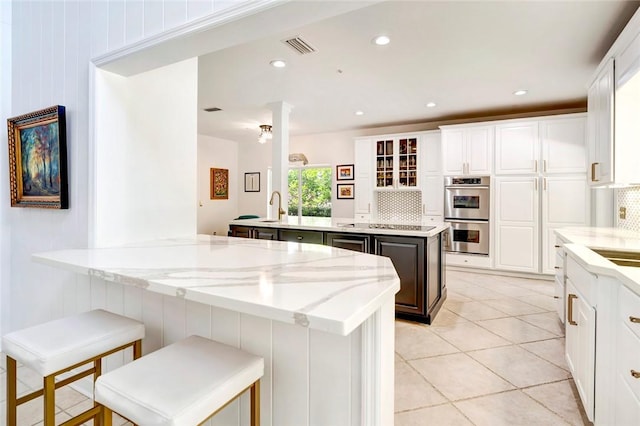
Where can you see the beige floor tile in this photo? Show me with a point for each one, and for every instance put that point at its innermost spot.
(459, 376)
(521, 368)
(413, 391)
(552, 350)
(60, 417)
(446, 317)
(562, 399)
(80, 407)
(32, 412)
(507, 409)
(21, 387)
(515, 330)
(67, 397)
(397, 357)
(441, 415)
(475, 311)
(546, 302)
(420, 342)
(514, 306)
(548, 321)
(478, 293)
(469, 336)
(453, 296)
(30, 378)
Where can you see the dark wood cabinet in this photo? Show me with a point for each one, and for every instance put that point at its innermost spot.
(408, 257)
(354, 242)
(295, 235)
(418, 261)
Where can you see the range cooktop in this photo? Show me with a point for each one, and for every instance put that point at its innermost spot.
(399, 227)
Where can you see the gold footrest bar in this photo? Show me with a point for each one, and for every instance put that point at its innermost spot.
(83, 417)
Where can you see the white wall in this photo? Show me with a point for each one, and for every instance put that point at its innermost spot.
(5, 107)
(214, 215)
(146, 183)
(253, 158)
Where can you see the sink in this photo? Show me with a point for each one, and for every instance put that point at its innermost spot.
(270, 220)
(620, 258)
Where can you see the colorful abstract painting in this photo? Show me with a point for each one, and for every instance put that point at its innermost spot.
(219, 184)
(38, 159)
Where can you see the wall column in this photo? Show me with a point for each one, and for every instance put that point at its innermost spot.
(280, 152)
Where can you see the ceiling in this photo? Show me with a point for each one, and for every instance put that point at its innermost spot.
(467, 57)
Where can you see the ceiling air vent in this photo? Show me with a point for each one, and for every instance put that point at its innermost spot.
(213, 109)
(299, 45)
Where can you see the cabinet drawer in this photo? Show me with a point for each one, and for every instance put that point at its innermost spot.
(310, 237)
(629, 307)
(628, 354)
(584, 281)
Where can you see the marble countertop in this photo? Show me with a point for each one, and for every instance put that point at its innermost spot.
(314, 286)
(583, 239)
(342, 225)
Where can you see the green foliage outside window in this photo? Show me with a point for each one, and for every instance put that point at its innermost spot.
(314, 194)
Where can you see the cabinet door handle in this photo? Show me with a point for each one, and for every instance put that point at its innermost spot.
(299, 237)
(634, 320)
(557, 246)
(535, 166)
(544, 183)
(570, 309)
(544, 166)
(593, 172)
(557, 267)
(369, 208)
(635, 374)
(536, 184)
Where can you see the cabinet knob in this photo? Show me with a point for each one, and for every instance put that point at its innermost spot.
(299, 237)
(557, 246)
(634, 320)
(635, 374)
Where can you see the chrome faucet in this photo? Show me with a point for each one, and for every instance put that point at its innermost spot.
(280, 210)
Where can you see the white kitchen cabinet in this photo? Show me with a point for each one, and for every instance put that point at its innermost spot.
(467, 150)
(580, 330)
(362, 170)
(600, 106)
(432, 183)
(550, 146)
(560, 278)
(396, 162)
(517, 148)
(565, 202)
(517, 223)
(627, 363)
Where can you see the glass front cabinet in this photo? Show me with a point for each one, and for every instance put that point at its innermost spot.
(396, 163)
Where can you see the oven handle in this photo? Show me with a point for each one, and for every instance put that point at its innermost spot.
(466, 186)
(448, 219)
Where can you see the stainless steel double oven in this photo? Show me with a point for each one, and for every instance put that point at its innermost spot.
(466, 208)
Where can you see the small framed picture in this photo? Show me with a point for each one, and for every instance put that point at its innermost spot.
(345, 191)
(219, 184)
(344, 172)
(252, 182)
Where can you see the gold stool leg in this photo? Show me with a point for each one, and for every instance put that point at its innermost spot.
(137, 349)
(255, 404)
(12, 394)
(97, 367)
(106, 416)
(49, 401)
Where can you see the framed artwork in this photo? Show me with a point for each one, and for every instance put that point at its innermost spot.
(38, 159)
(344, 172)
(252, 182)
(345, 190)
(219, 184)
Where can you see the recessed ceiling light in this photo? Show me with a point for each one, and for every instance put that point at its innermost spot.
(381, 40)
(359, 112)
(520, 92)
(431, 104)
(278, 63)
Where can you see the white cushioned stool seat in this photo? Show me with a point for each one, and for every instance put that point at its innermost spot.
(50, 347)
(180, 384)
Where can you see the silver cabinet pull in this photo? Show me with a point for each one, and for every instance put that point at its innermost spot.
(544, 183)
(544, 166)
(570, 309)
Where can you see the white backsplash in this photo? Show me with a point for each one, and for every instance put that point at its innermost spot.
(399, 206)
(630, 199)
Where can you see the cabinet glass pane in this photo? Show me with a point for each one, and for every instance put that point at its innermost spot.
(408, 160)
(384, 163)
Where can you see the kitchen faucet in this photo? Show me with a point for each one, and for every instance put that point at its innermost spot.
(280, 210)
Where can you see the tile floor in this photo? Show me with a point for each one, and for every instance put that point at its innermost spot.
(494, 356)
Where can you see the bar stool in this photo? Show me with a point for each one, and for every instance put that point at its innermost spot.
(185, 383)
(59, 346)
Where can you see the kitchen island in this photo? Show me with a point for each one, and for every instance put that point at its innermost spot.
(321, 317)
(417, 252)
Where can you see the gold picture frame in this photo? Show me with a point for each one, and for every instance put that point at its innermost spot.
(219, 184)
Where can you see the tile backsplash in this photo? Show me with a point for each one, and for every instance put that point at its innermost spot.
(399, 206)
(630, 199)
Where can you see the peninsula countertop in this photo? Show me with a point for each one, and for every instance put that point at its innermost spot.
(314, 286)
(345, 225)
(583, 240)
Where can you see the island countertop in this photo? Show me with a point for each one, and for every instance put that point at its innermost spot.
(345, 225)
(313, 286)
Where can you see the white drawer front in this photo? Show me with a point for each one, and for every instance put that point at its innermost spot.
(628, 347)
(584, 281)
(629, 312)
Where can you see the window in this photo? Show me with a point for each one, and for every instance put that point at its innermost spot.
(310, 191)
